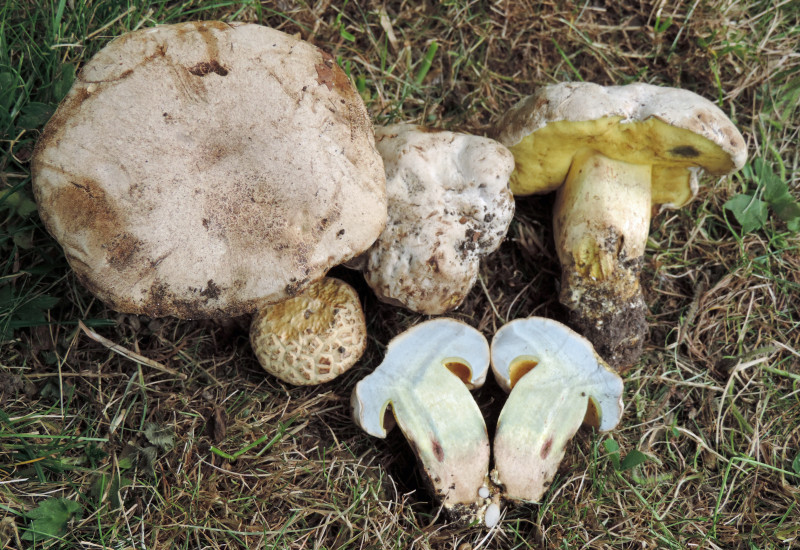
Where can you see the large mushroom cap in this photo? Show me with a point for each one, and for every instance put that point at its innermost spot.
(200, 169)
(673, 130)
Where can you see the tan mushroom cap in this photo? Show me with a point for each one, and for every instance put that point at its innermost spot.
(675, 131)
(449, 205)
(311, 338)
(201, 169)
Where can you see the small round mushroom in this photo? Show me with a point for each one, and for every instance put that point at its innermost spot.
(311, 338)
(449, 205)
(202, 169)
(612, 153)
(556, 382)
(425, 379)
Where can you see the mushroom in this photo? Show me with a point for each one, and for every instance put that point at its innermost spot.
(203, 169)
(449, 205)
(313, 337)
(556, 382)
(612, 153)
(425, 378)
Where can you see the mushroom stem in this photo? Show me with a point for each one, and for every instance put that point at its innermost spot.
(601, 220)
(531, 438)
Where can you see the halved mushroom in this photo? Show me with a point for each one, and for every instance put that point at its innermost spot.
(311, 338)
(612, 153)
(449, 205)
(206, 168)
(425, 379)
(556, 382)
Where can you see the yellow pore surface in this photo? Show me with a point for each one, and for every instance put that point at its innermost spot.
(312, 312)
(543, 158)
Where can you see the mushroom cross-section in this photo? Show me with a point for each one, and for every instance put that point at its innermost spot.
(556, 382)
(449, 205)
(612, 153)
(313, 337)
(425, 379)
(204, 168)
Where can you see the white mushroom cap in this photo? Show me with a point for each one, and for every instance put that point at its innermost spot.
(674, 130)
(201, 169)
(449, 204)
(313, 337)
(424, 379)
(556, 383)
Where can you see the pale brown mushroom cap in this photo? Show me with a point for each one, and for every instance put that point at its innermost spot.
(676, 131)
(313, 337)
(201, 169)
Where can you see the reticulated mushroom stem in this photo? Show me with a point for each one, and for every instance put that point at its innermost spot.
(601, 221)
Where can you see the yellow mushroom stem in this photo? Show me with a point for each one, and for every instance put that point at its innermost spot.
(601, 221)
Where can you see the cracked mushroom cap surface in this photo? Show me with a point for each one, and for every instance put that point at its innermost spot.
(676, 131)
(425, 379)
(311, 338)
(557, 383)
(449, 205)
(201, 169)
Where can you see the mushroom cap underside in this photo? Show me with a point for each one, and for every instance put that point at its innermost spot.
(675, 131)
(202, 169)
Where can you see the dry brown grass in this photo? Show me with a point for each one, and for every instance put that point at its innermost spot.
(714, 402)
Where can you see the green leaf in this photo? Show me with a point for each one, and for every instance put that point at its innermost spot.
(64, 81)
(632, 459)
(51, 518)
(777, 195)
(106, 486)
(350, 37)
(788, 210)
(20, 202)
(95, 454)
(796, 464)
(774, 187)
(8, 84)
(612, 448)
(425, 65)
(32, 310)
(750, 212)
(34, 115)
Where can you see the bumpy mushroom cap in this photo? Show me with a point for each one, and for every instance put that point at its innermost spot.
(557, 382)
(424, 378)
(613, 152)
(204, 168)
(313, 337)
(449, 205)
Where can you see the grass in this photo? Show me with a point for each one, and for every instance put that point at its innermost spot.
(142, 441)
